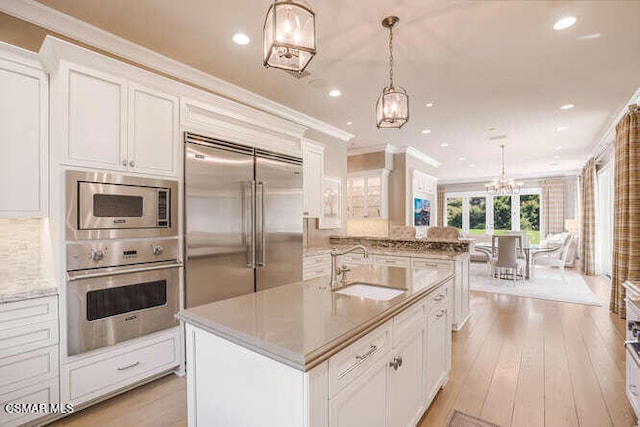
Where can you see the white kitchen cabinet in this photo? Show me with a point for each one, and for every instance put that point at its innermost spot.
(316, 266)
(111, 123)
(368, 194)
(312, 172)
(23, 135)
(438, 350)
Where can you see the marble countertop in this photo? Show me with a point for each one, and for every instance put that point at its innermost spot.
(304, 323)
(12, 291)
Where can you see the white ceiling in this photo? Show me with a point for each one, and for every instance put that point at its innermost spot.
(483, 63)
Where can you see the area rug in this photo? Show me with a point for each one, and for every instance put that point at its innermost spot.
(460, 419)
(548, 284)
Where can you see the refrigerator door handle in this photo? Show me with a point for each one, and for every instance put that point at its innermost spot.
(262, 261)
(250, 234)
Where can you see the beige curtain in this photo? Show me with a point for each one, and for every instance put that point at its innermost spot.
(553, 206)
(626, 209)
(441, 207)
(588, 217)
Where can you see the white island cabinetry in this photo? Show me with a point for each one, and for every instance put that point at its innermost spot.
(384, 378)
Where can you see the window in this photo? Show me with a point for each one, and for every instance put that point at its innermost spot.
(530, 216)
(454, 212)
(477, 213)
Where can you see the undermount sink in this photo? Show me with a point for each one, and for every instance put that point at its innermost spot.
(365, 290)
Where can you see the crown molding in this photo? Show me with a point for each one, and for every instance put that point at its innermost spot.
(54, 20)
(22, 56)
(366, 149)
(534, 175)
(609, 136)
(417, 154)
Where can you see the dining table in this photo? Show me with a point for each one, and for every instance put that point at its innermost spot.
(528, 251)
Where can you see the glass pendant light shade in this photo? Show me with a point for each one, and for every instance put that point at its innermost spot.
(289, 35)
(392, 108)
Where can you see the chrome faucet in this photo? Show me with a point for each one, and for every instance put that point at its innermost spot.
(342, 271)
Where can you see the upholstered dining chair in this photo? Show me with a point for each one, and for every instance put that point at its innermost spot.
(445, 233)
(507, 259)
(555, 256)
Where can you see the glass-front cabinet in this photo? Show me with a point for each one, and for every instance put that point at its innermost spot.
(367, 194)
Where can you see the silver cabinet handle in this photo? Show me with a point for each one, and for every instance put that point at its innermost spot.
(396, 363)
(250, 231)
(442, 313)
(632, 388)
(372, 350)
(305, 213)
(439, 298)
(124, 162)
(124, 368)
(132, 163)
(263, 252)
(72, 275)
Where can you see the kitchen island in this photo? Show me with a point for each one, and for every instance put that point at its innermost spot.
(305, 355)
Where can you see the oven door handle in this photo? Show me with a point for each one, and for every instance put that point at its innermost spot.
(72, 276)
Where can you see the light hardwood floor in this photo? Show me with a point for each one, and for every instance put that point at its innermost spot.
(518, 362)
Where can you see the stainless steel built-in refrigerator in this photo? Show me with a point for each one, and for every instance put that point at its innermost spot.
(243, 219)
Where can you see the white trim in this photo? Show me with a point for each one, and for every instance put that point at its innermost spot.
(388, 148)
(535, 175)
(609, 136)
(417, 154)
(20, 56)
(51, 19)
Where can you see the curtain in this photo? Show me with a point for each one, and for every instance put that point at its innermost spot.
(553, 206)
(442, 209)
(588, 217)
(626, 209)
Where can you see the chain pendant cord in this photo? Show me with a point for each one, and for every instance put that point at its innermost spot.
(390, 57)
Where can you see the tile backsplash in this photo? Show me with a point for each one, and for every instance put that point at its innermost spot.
(368, 227)
(24, 248)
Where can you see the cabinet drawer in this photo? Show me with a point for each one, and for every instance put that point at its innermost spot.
(28, 337)
(310, 261)
(395, 261)
(438, 299)
(357, 259)
(42, 392)
(316, 271)
(431, 263)
(19, 313)
(28, 368)
(408, 321)
(94, 377)
(351, 362)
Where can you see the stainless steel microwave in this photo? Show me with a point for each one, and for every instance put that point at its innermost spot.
(104, 205)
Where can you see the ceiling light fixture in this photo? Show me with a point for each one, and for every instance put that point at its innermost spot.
(561, 128)
(556, 157)
(503, 186)
(392, 108)
(289, 35)
(349, 123)
(241, 39)
(567, 106)
(444, 144)
(564, 23)
(557, 148)
(334, 93)
(462, 158)
(426, 131)
(429, 104)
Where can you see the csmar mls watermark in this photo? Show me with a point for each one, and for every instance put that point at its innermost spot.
(39, 408)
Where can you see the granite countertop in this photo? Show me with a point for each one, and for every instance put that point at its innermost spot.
(12, 291)
(407, 252)
(304, 323)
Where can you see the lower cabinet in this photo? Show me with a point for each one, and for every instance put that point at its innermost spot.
(438, 350)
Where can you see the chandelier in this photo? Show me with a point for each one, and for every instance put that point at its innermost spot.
(392, 108)
(289, 35)
(503, 186)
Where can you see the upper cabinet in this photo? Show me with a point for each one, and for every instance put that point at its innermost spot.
(109, 122)
(313, 171)
(23, 135)
(368, 194)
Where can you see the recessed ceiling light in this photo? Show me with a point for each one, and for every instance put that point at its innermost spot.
(241, 38)
(444, 144)
(590, 36)
(462, 158)
(567, 106)
(426, 131)
(335, 93)
(557, 148)
(564, 23)
(561, 128)
(429, 104)
(553, 164)
(349, 123)
(556, 157)
(471, 165)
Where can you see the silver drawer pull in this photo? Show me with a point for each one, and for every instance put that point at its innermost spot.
(388, 261)
(439, 297)
(368, 353)
(124, 368)
(442, 313)
(396, 363)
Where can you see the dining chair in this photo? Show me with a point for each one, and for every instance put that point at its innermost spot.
(445, 233)
(507, 259)
(555, 256)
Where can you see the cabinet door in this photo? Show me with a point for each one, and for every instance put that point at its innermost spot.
(363, 402)
(437, 343)
(153, 132)
(97, 105)
(373, 197)
(312, 172)
(406, 387)
(23, 140)
(356, 192)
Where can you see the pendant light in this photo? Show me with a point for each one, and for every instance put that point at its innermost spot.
(289, 35)
(503, 186)
(392, 108)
